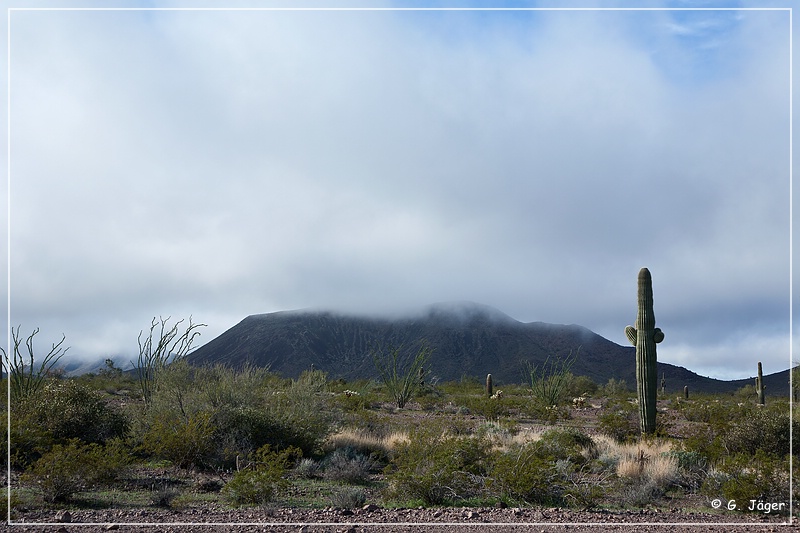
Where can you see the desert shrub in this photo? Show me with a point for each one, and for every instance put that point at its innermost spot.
(163, 495)
(74, 467)
(710, 412)
(69, 410)
(615, 388)
(490, 408)
(349, 498)
(546, 470)
(239, 410)
(29, 440)
(620, 421)
(765, 430)
(307, 468)
(348, 466)
(567, 444)
(241, 431)
(184, 440)
(744, 477)
(692, 467)
(301, 415)
(580, 386)
(526, 474)
(706, 442)
(640, 492)
(263, 478)
(437, 468)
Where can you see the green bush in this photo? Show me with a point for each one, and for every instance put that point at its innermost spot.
(263, 479)
(438, 468)
(210, 416)
(692, 467)
(524, 473)
(545, 471)
(186, 441)
(301, 415)
(565, 444)
(75, 467)
(580, 386)
(489, 408)
(743, 478)
(766, 430)
(69, 410)
(620, 422)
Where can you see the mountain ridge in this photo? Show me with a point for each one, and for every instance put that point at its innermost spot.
(466, 339)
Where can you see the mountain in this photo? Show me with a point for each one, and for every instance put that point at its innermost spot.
(466, 339)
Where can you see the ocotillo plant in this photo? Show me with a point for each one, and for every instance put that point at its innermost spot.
(645, 336)
(760, 385)
(489, 385)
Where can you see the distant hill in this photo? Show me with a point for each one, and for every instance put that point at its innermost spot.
(466, 339)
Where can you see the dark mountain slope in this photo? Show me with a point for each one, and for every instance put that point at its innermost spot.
(466, 340)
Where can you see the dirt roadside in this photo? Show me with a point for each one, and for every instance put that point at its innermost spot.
(371, 518)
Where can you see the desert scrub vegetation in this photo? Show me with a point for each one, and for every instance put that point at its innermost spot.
(254, 437)
(438, 468)
(74, 467)
(262, 478)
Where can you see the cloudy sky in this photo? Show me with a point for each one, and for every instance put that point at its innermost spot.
(221, 163)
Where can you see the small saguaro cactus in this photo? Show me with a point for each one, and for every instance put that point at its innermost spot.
(489, 386)
(645, 336)
(663, 384)
(760, 386)
(686, 392)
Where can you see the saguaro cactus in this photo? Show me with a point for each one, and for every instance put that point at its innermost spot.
(760, 385)
(645, 336)
(686, 392)
(489, 385)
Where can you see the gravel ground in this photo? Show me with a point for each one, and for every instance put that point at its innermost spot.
(371, 518)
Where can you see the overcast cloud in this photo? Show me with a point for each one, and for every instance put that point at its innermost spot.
(228, 163)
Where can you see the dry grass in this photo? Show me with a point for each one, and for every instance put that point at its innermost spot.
(366, 442)
(643, 460)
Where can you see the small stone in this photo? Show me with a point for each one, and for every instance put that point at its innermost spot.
(501, 505)
(370, 507)
(473, 514)
(62, 529)
(112, 527)
(63, 516)
(346, 512)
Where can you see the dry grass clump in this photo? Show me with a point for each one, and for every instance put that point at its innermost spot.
(650, 460)
(365, 442)
(506, 441)
(647, 469)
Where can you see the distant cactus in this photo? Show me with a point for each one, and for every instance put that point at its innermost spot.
(760, 386)
(663, 384)
(488, 385)
(645, 336)
(686, 392)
